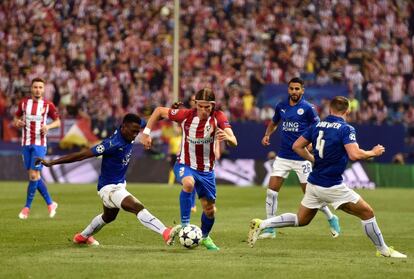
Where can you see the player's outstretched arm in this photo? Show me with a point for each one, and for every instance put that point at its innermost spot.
(299, 146)
(355, 153)
(70, 158)
(269, 131)
(159, 113)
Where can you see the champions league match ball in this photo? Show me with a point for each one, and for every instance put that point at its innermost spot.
(190, 236)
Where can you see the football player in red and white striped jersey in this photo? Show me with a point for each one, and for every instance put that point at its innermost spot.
(194, 168)
(31, 117)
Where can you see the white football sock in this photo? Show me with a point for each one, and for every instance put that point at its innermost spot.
(94, 227)
(150, 221)
(271, 203)
(325, 209)
(281, 221)
(374, 233)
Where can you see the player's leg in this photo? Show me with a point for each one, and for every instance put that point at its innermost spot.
(206, 190)
(280, 171)
(303, 169)
(97, 223)
(302, 218)
(184, 175)
(363, 210)
(123, 199)
(33, 180)
(193, 201)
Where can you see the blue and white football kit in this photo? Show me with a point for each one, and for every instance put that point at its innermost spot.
(116, 153)
(293, 121)
(325, 185)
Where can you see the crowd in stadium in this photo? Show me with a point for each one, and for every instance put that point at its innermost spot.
(105, 58)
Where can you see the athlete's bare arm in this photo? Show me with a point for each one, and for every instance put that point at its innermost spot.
(299, 146)
(355, 153)
(70, 158)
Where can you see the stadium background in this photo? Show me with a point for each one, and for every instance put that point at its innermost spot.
(104, 58)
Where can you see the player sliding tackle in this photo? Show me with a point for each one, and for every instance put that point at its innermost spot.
(200, 126)
(333, 141)
(116, 151)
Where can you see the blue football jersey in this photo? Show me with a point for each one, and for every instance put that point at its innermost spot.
(328, 138)
(294, 120)
(116, 153)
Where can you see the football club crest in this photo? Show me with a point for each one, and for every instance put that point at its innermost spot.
(174, 111)
(300, 111)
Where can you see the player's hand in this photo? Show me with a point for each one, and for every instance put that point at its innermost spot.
(44, 130)
(19, 123)
(39, 161)
(378, 150)
(221, 135)
(177, 105)
(266, 140)
(146, 141)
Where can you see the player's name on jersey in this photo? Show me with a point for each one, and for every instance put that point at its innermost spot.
(324, 124)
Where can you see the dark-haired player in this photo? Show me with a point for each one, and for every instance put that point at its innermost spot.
(334, 142)
(294, 115)
(31, 117)
(116, 151)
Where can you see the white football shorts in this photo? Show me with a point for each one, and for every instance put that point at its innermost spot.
(282, 167)
(112, 195)
(317, 196)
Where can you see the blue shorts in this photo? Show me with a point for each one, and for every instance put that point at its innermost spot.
(205, 181)
(30, 153)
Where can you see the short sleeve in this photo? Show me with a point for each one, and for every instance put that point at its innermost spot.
(105, 147)
(276, 116)
(308, 133)
(178, 115)
(348, 135)
(52, 113)
(222, 121)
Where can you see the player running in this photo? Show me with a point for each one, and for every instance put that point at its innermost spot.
(31, 117)
(333, 141)
(200, 126)
(294, 115)
(116, 151)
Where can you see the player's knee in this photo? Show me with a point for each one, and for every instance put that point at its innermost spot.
(108, 218)
(210, 210)
(368, 213)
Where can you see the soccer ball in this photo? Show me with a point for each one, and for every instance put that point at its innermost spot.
(190, 236)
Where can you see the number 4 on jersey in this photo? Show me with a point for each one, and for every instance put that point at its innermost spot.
(320, 144)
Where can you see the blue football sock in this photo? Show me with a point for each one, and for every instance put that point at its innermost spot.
(31, 191)
(193, 198)
(41, 186)
(206, 224)
(185, 207)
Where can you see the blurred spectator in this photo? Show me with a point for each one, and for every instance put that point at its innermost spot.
(112, 57)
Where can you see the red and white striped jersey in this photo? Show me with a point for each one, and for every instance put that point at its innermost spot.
(197, 145)
(34, 114)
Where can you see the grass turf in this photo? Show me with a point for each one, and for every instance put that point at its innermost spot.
(40, 247)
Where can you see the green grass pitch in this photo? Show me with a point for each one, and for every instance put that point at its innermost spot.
(40, 247)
